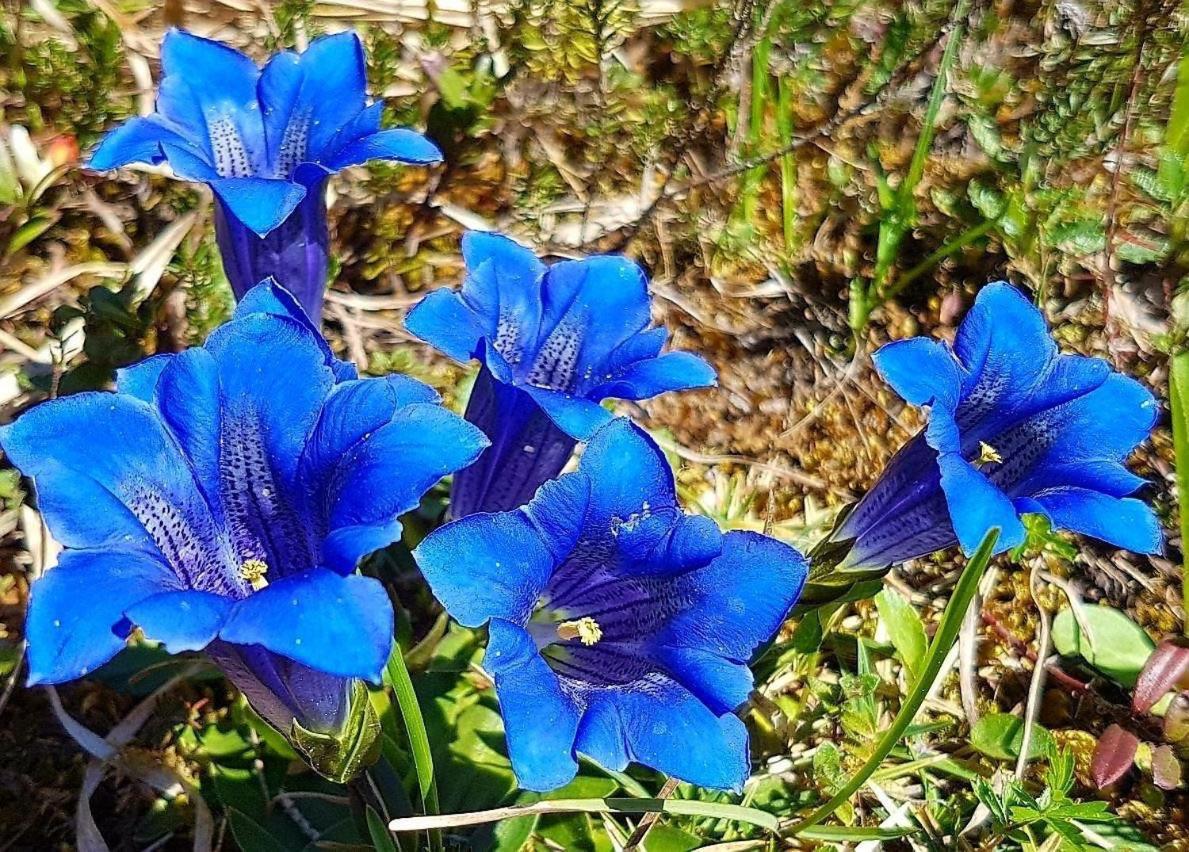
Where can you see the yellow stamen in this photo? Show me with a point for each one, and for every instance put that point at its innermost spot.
(586, 630)
(987, 454)
(253, 571)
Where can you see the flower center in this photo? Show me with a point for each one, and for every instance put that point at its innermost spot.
(987, 455)
(253, 571)
(586, 630)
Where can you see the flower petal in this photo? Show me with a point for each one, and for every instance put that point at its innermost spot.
(181, 620)
(922, 371)
(486, 566)
(629, 475)
(652, 376)
(260, 204)
(137, 140)
(443, 320)
(1126, 522)
(540, 720)
(335, 624)
(334, 88)
(660, 724)
(577, 417)
(386, 474)
(140, 379)
(399, 144)
(76, 610)
(109, 474)
(976, 506)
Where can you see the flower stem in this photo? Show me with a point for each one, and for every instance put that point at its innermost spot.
(943, 640)
(396, 674)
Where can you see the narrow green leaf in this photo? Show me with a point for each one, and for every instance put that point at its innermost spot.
(1178, 384)
(381, 838)
(396, 675)
(943, 640)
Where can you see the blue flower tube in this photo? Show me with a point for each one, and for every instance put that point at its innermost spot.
(1014, 428)
(553, 342)
(265, 141)
(619, 627)
(220, 501)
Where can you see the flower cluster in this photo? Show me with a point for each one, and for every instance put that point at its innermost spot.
(222, 499)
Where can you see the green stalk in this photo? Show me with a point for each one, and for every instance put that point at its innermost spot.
(1178, 384)
(900, 213)
(788, 163)
(396, 674)
(947, 634)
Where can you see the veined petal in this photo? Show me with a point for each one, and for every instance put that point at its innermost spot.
(260, 204)
(486, 566)
(181, 619)
(739, 600)
(335, 624)
(659, 723)
(109, 474)
(76, 610)
(399, 144)
(384, 475)
(540, 720)
(334, 89)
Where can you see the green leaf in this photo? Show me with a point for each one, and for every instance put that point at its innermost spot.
(251, 835)
(669, 838)
(381, 838)
(1000, 735)
(28, 232)
(1116, 646)
(905, 629)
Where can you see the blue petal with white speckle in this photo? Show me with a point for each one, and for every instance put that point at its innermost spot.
(1014, 428)
(265, 141)
(221, 499)
(620, 628)
(553, 342)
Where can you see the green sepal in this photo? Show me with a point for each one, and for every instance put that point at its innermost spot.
(340, 755)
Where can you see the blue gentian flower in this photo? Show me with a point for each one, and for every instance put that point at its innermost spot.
(265, 141)
(553, 342)
(1014, 428)
(619, 628)
(220, 500)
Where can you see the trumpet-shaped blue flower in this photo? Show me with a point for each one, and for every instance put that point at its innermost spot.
(265, 141)
(552, 342)
(1014, 428)
(220, 500)
(619, 628)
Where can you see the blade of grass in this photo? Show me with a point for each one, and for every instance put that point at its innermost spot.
(1178, 385)
(682, 807)
(943, 640)
(396, 675)
(788, 162)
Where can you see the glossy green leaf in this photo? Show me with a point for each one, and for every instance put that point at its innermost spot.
(1116, 646)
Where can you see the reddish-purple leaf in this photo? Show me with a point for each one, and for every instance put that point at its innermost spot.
(1113, 756)
(1166, 768)
(1168, 664)
(1176, 720)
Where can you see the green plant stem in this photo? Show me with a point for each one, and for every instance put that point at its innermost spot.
(957, 244)
(943, 640)
(1178, 384)
(397, 675)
